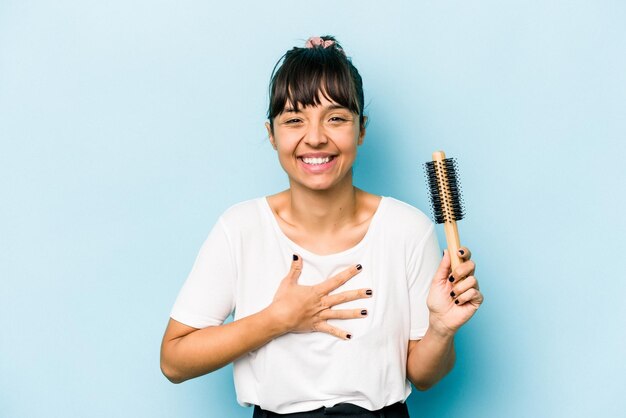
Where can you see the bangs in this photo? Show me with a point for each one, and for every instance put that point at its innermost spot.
(309, 75)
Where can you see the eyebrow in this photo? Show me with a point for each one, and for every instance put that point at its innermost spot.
(330, 107)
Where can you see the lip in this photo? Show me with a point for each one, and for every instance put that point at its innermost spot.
(316, 155)
(317, 168)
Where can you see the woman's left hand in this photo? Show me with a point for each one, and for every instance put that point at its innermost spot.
(454, 297)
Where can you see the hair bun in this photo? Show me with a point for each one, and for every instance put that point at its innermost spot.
(320, 42)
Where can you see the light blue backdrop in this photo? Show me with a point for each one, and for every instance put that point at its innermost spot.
(127, 127)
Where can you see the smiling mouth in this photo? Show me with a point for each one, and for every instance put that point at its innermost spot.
(317, 160)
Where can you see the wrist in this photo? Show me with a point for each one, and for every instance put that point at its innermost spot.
(439, 330)
(275, 320)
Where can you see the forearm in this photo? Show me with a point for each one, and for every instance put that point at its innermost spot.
(430, 359)
(205, 350)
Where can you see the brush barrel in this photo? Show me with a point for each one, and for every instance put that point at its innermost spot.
(449, 226)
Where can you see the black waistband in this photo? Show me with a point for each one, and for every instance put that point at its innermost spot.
(397, 410)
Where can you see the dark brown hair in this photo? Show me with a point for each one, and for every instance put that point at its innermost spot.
(305, 73)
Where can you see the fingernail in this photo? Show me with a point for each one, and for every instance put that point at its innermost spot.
(451, 278)
(461, 252)
(452, 293)
(295, 257)
(368, 292)
(359, 267)
(456, 301)
(348, 336)
(364, 312)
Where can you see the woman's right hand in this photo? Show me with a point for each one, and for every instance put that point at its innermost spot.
(188, 352)
(307, 308)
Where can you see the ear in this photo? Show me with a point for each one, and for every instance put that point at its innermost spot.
(362, 133)
(270, 134)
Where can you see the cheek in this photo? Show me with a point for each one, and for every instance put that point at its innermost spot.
(286, 139)
(285, 151)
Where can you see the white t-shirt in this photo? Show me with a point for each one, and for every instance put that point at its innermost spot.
(239, 268)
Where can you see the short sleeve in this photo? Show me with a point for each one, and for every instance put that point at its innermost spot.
(423, 261)
(207, 296)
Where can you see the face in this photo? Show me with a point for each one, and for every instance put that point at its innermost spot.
(318, 144)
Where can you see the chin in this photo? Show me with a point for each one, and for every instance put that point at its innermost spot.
(320, 187)
(317, 187)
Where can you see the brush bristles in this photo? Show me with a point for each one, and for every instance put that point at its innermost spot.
(445, 191)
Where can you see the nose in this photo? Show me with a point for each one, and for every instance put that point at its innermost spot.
(315, 135)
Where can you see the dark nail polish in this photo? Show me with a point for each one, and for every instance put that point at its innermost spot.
(451, 278)
(368, 292)
(348, 336)
(295, 257)
(364, 312)
(359, 267)
(452, 293)
(461, 252)
(456, 301)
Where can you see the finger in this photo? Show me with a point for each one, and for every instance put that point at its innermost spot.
(472, 295)
(343, 313)
(464, 286)
(443, 271)
(347, 296)
(329, 329)
(462, 271)
(464, 254)
(338, 280)
(295, 270)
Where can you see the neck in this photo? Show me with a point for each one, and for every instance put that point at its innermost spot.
(323, 211)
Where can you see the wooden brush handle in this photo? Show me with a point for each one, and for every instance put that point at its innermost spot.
(452, 233)
(452, 238)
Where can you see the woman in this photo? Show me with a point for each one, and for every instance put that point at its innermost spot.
(339, 296)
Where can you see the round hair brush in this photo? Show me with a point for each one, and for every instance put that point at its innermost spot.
(445, 199)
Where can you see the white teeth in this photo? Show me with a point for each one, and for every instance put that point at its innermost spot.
(316, 161)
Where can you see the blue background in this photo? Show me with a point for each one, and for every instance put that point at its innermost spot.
(127, 127)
